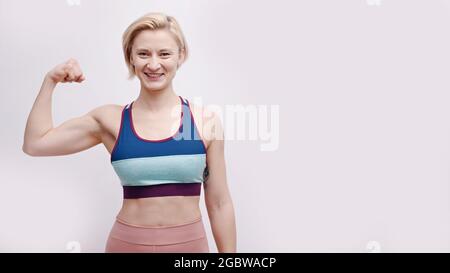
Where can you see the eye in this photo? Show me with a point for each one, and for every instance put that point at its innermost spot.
(165, 53)
(142, 54)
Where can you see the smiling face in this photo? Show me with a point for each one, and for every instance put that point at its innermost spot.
(156, 58)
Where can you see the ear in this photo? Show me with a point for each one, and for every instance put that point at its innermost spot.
(132, 63)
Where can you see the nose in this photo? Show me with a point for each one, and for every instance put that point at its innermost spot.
(153, 64)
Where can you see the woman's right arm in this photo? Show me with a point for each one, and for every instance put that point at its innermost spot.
(74, 135)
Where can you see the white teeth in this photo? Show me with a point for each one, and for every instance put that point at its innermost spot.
(153, 75)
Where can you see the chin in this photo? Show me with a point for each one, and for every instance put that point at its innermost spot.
(154, 86)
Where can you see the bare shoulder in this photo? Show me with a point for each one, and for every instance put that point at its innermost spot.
(105, 110)
(208, 121)
(108, 116)
(205, 113)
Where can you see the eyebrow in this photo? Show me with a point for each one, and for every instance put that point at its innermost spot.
(144, 49)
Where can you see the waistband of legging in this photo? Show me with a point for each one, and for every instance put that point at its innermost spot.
(151, 235)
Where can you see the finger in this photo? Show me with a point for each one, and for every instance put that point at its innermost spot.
(67, 68)
(66, 78)
(71, 75)
(80, 78)
(77, 72)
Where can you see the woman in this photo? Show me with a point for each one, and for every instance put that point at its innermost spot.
(161, 158)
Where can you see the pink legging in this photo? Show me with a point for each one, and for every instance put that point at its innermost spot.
(188, 237)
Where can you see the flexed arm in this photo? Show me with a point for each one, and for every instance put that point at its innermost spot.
(74, 135)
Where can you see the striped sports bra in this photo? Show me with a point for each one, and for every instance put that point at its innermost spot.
(174, 166)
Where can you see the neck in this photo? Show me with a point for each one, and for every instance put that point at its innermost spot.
(156, 100)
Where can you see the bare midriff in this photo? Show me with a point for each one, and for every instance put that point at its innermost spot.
(160, 211)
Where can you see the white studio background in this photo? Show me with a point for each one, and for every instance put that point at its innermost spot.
(363, 90)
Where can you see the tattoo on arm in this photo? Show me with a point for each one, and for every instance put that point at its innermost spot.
(205, 174)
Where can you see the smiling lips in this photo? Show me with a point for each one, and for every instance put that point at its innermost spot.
(154, 76)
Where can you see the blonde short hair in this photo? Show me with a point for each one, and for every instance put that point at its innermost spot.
(151, 21)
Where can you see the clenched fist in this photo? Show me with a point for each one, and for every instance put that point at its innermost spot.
(68, 71)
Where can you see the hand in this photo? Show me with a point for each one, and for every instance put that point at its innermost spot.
(68, 71)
